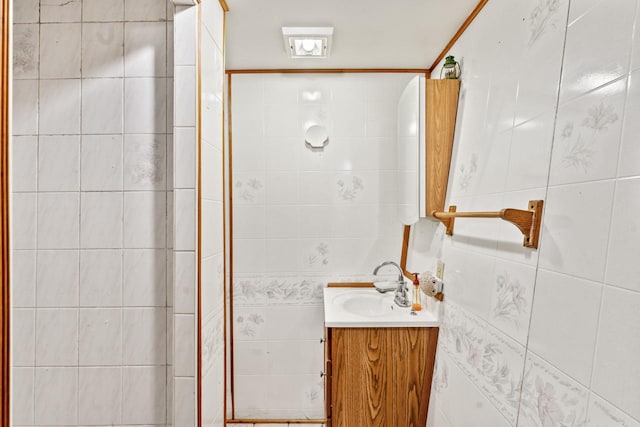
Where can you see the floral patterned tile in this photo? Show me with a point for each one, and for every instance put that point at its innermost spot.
(550, 398)
(265, 290)
(212, 342)
(465, 174)
(490, 359)
(317, 256)
(545, 16)
(249, 323)
(603, 414)
(588, 132)
(440, 374)
(247, 290)
(452, 391)
(248, 189)
(349, 189)
(512, 299)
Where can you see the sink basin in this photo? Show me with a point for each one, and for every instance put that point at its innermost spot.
(367, 308)
(364, 305)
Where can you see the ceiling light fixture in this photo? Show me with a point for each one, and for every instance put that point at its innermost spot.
(307, 42)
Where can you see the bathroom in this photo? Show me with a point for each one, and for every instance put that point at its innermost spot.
(182, 199)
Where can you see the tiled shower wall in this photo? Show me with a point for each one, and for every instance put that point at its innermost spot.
(550, 107)
(92, 125)
(212, 251)
(302, 218)
(199, 144)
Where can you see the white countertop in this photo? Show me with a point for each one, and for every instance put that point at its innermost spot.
(368, 308)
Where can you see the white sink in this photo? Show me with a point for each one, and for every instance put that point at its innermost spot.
(367, 308)
(363, 305)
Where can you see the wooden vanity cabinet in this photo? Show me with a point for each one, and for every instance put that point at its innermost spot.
(379, 376)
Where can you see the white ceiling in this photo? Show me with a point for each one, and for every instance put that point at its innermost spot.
(367, 34)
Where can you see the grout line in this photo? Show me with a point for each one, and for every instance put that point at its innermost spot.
(168, 252)
(546, 196)
(79, 224)
(35, 296)
(123, 152)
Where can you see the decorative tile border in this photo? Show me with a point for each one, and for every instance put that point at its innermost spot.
(550, 398)
(490, 359)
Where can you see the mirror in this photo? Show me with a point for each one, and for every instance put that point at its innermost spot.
(411, 156)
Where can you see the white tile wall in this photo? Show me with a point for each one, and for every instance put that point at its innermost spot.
(101, 163)
(100, 400)
(101, 220)
(59, 163)
(615, 372)
(25, 59)
(103, 10)
(184, 223)
(60, 50)
(302, 219)
(186, 204)
(145, 106)
(100, 337)
(57, 283)
(59, 107)
(25, 107)
(102, 106)
(60, 10)
(102, 45)
(564, 322)
(145, 49)
(572, 305)
(24, 174)
(101, 277)
(56, 396)
(89, 180)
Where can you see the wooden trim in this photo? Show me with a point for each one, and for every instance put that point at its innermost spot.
(5, 262)
(331, 70)
(224, 225)
(351, 285)
(230, 187)
(459, 33)
(406, 234)
(225, 7)
(267, 421)
(199, 214)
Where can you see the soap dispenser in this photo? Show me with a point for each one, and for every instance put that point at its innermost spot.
(417, 303)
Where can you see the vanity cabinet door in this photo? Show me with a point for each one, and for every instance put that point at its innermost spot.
(381, 376)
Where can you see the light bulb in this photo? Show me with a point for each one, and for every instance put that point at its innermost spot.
(308, 45)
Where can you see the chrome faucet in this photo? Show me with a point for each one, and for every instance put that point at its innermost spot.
(402, 295)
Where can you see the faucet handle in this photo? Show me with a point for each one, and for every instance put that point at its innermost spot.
(402, 299)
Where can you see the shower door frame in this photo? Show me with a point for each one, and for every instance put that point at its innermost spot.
(229, 339)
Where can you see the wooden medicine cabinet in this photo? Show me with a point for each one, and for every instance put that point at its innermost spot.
(426, 119)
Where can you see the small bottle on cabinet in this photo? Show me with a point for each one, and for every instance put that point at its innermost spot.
(417, 303)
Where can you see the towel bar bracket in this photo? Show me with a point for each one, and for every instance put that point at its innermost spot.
(528, 221)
